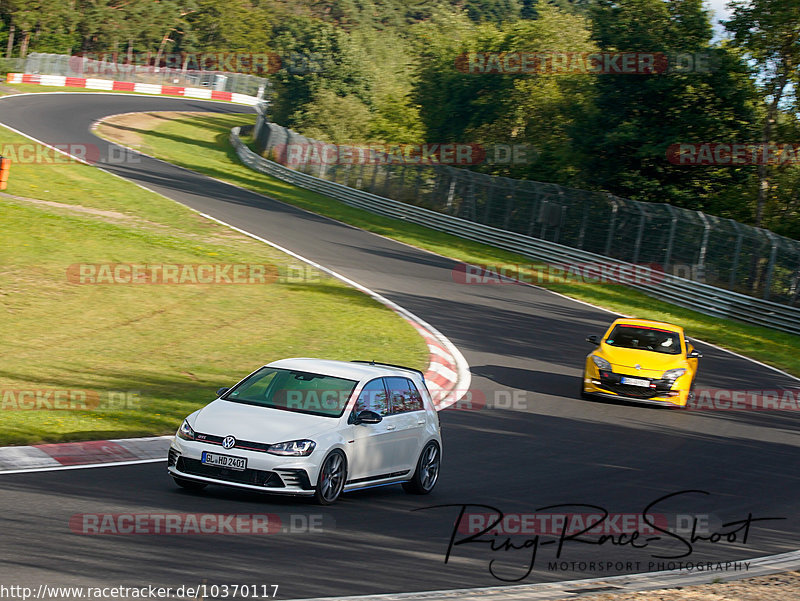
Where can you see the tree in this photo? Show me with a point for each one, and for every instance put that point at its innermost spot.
(48, 22)
(768, 31)
(317, 56)
(636, 117)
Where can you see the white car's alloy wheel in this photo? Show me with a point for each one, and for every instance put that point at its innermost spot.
(332, 477)
(427, 473)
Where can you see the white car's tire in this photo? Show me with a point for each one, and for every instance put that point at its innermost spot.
(427, 473)
(332, 477)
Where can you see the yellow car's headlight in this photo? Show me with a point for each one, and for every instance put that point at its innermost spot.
(601, 363)
(673, 374)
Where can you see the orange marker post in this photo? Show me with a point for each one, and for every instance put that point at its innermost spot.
(5, 167)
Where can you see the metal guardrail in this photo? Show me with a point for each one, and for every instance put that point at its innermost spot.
(697, 296)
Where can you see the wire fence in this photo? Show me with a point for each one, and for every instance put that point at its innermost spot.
(681, 242)
(83, 67)
(9, 65)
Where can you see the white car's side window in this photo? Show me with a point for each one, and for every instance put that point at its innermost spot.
(403, 395)
(373, 398)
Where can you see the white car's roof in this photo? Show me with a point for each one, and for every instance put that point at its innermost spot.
(341, 369)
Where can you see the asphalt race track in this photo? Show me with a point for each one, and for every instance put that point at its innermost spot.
(552, 448)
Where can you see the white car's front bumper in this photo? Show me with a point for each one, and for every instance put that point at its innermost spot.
(264, 473)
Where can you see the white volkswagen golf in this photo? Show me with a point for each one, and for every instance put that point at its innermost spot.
(316, 428)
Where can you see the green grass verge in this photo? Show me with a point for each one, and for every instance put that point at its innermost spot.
(201, 144)
(151, 353)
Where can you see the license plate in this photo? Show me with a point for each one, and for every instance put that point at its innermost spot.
(636, 382)
(227, 461)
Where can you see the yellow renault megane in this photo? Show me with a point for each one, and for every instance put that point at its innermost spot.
(643, 361)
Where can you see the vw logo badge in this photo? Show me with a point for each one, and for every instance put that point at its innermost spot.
(637, 366)
(228, 442)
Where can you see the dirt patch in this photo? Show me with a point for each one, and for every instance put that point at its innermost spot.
(124, 129)
(215, 234)
(775, 587)
(113, 215)
(8, 90)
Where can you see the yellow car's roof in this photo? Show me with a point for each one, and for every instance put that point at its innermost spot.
(648, 323)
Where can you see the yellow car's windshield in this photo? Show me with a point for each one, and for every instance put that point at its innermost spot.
(646, 339)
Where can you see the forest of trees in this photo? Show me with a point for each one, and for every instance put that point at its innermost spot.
(388, 71)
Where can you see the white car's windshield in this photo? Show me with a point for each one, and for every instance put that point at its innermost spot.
(292, 390)
(646, 339)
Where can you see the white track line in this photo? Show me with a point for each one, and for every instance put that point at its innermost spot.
(58, 468)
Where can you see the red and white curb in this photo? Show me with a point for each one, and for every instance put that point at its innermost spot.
(129, 86)
(442, 374)
(95, 453)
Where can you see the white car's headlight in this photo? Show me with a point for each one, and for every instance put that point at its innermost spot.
(673, 374)
(601, 363)
(185, 431)
(293, 448)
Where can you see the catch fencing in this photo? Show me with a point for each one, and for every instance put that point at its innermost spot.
(80, 67)
(691, 245)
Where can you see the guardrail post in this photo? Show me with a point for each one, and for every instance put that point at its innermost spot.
(795, 287)
(402, 179)
(611, 225)
(701, 260)
(387, 181)
(417, 182)
(736, 252)
(451, 191)
(671, 238)
(489, 194)
(584, 219)
(374, 178)
(638, 244)
(534, 208)
(544, 206)
(563, 219)
(773, 251)
(510, 196)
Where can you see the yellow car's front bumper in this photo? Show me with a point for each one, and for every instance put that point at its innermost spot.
(680, 400)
